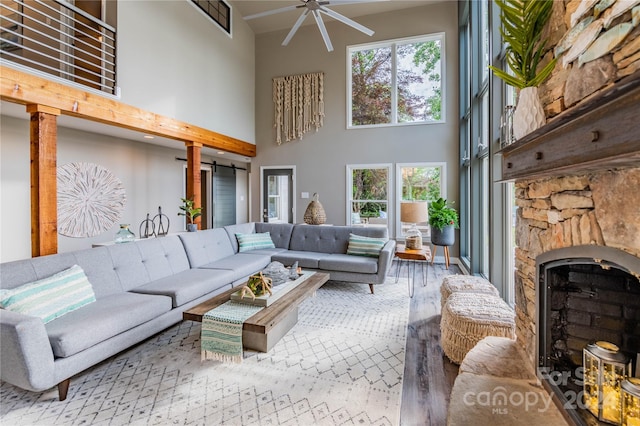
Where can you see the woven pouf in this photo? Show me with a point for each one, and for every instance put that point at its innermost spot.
(469, 317)
(466, 283)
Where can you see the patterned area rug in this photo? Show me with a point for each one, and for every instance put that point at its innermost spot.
(343, 363)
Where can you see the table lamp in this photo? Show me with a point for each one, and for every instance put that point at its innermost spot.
(413, 212)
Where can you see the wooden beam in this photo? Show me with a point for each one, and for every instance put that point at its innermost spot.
(44, 193)
(193, 175)
(23, 88)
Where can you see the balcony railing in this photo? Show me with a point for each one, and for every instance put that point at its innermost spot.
(60, 39)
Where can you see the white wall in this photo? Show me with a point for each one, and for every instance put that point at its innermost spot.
(321, 157)
(150, 174)
(174, 61)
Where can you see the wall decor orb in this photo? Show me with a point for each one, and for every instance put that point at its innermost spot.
(90, 199)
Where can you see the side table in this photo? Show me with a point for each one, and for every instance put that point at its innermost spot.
(413, 255)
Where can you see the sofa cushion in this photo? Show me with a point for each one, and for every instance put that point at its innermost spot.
(51, 297)
(280, 232)
(128, 265)
(239, 228)
(348, 263)
(107, 317)
(255, 241)
(241, 264)
(98, 267)
(163, 256)
(206, 246)
(188, 285)
(330, 239)
(305, 259)
(365, 246)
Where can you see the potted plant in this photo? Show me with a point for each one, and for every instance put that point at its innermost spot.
(443, 219)
(522, 24)
(190, 212)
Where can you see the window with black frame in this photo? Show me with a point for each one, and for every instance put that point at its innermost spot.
(218, 10)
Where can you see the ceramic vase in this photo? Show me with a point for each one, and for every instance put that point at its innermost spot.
(529, 114)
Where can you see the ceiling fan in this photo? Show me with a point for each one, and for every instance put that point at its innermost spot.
(315, 7)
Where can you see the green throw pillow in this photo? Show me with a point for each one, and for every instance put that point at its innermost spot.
(52, 297)
(365, 246)
(255, 241)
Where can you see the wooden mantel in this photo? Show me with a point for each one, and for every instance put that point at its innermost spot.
(601, 132)
(27, 89)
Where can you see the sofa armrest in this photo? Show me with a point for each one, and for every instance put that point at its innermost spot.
(386, 258)
(26, 357)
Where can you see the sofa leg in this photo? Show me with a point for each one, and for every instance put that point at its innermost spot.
(371, 288)
(63, 388)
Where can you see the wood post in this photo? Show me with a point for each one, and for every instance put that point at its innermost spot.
(44, 194)
(193, 174)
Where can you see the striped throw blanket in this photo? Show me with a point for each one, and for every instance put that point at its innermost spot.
(221, 335)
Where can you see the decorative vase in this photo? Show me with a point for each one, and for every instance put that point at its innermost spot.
(529, 114)
(315, 215)
(443, 237)
(192, 227)
(124, 235)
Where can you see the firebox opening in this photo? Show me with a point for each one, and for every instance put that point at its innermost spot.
(581, 301)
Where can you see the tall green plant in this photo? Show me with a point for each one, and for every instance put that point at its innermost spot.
(441, 214)
(523, 22)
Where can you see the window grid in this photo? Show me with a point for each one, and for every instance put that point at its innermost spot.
(435, 102)
(218, 11)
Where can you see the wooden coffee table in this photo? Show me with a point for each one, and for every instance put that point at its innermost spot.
(264, 329)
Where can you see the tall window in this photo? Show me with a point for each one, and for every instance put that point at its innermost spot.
(419, 182)
(476, 138)
(368, 189)
(396, 82)
(487, 209)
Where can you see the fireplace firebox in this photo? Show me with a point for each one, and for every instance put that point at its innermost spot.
(584, 294)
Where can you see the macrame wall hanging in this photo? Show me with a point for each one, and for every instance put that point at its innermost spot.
(299, 105)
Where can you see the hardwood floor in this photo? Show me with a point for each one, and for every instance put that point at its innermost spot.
(428, 374)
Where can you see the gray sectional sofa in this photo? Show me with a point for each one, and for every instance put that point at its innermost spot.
(143, 287)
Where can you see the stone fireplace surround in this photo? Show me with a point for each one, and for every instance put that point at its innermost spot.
(591, 220)
(596, 209)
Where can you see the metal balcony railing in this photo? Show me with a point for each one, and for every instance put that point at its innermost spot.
(60, 39)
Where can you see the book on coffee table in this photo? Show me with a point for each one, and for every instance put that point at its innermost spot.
(278, 292)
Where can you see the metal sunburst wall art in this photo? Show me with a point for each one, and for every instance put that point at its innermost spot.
(90, 199)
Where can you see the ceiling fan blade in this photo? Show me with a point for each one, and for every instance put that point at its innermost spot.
(271, 12)
(295, 27)
(323, 30)
(345, 20)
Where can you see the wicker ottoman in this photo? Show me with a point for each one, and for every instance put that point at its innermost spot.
(469, 317)
(466, 283)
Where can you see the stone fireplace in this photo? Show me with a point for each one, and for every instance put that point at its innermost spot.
(577, 269)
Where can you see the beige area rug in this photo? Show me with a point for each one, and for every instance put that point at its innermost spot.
(343, 363)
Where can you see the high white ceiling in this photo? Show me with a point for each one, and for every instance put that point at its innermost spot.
(285, 20)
